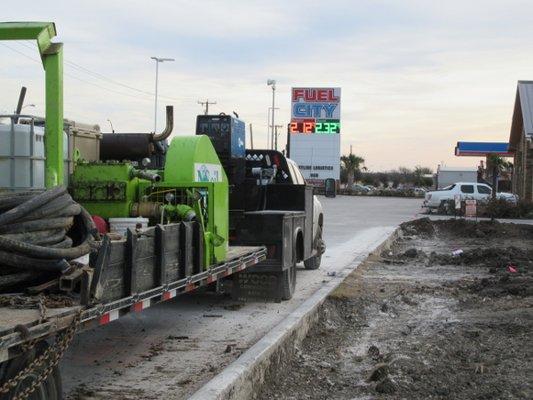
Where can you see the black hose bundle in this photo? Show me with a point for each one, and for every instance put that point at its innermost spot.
(34, 227)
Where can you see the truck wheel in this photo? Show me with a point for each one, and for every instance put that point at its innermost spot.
(49, 389)
(314, 262)
(288, 282)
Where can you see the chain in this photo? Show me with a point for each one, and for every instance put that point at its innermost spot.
(42, 309)
(52, 354)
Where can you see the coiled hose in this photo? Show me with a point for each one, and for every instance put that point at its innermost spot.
(34, 227)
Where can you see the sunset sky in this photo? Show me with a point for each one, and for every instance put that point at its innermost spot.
(416, 76)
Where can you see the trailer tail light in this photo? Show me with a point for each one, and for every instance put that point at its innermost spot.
(271, 251)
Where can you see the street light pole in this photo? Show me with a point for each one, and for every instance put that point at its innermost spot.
(272, 82)
(110, 123)
(276, 136)
(269, 136)
(157, 61)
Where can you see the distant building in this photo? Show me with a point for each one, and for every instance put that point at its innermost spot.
(520, 141)
(449, 175)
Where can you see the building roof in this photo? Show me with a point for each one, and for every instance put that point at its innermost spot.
(522, 114)
(457, 169)
(482, 149)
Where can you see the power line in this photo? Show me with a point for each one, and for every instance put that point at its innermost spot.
(98, 75)
(80, 79)
(20, 52)
(76, 77)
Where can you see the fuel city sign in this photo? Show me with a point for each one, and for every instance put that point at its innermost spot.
(315, 110)
(315, 132)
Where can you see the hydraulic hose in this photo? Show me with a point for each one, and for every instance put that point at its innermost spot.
(33, 233)
(31, 205)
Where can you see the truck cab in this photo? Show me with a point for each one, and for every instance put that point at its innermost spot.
(318, 214)
(270, 204)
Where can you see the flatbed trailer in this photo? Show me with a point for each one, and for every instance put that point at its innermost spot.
(151, 256)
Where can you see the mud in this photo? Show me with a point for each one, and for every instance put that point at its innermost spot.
(49, 301)
(419, 322)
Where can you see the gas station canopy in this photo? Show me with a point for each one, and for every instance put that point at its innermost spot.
(482, 149)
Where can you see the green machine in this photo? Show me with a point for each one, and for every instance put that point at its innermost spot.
(52, 58)
(192, 187)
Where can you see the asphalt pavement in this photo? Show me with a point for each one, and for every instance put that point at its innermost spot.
(172, 349)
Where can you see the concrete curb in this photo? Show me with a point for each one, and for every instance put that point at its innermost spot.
(242, 378)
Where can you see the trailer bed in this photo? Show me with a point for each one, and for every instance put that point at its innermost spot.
(56, 319)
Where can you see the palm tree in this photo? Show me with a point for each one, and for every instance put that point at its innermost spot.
(352, 165)
(498, 165)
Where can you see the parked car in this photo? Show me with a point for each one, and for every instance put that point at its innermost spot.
(360, 188)
(466, 190)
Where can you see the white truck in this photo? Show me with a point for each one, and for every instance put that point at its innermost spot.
(466, 190)
(447, 176)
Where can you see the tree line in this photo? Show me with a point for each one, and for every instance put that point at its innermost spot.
(353, 170)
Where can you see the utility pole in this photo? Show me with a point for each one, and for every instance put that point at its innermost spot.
(272, 82)
(206, 104)
(270, 137)
(251, 137)
(276, 135)
(157, 61)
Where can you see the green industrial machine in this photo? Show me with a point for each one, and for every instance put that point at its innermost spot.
(191, 187)
(192, 184)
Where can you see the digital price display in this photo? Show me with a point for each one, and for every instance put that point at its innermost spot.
(319, 127)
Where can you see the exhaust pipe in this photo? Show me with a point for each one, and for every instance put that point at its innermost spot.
(22, 95)
(168, 128)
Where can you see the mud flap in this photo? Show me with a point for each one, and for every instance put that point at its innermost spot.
(256, 286)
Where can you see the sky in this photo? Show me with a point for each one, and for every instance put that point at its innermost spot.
(416, 76)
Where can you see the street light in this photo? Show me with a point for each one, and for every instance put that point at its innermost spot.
(272, 82)
(110, 123)
(157, 61)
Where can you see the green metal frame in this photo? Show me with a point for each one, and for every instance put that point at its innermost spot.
(52, 58)
(183, 154)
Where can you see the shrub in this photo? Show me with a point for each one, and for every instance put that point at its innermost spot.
(500, 208)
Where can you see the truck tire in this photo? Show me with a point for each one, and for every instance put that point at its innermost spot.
(288, 282)
(314, 262)
(49, 389)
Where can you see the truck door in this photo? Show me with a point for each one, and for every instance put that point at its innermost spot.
(467, 192)
(484, 191)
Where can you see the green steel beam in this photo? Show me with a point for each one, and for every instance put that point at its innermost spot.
(52, 58)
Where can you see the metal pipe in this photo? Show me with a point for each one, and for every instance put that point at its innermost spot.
(146, 175)
(22, 95)
(273, 113)
(168, 128)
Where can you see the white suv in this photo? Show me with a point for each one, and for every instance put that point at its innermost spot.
(466, 190)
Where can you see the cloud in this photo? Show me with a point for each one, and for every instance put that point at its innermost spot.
(415, 76)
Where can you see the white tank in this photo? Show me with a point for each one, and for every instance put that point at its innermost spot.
(22, 155)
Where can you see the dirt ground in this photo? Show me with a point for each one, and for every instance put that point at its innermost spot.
(446, 313)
